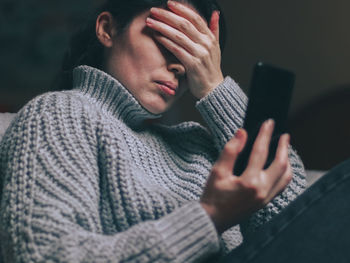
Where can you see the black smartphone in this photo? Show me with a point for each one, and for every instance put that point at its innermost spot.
(269, 98)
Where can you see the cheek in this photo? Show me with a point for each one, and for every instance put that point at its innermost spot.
(148, 53)
(183, 85)
(151, 58)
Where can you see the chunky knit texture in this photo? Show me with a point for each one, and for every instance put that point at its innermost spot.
(85, 179)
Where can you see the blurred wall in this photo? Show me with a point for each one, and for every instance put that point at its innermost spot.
(33, 37)
(310, 37)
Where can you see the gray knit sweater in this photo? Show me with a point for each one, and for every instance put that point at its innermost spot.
(85, 179)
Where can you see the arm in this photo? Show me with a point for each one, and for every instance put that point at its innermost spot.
(222, 103)
(50, 206)
(223, 109)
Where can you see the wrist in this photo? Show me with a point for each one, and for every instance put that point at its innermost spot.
(205, 91)
(211, 211)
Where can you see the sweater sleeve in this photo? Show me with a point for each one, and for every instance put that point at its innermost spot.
(50, 210)
(224, 110)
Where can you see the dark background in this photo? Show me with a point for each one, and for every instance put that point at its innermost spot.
(309, 37)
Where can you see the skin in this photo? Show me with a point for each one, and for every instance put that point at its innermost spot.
(176, 46)
(138, 53)
(186, 35)
(230, 199)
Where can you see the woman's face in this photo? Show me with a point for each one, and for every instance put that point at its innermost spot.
(150, 72)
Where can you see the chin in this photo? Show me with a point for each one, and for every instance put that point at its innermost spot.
(156, 108)
(157, 105)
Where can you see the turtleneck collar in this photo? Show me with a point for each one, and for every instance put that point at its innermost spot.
(112, 95)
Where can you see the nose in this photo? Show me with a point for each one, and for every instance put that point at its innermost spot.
(177, 68)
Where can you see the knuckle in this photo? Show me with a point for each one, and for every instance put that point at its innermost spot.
(230, 149)
(209, 42)
(179, 37)
(203, 54)
(212, 41)
(260, 150)
(240, 184)
(176, 50)
(258, 192)
(282, 163)
(251, 186)
(261, 195)
(289, 177)
(217, 171)
(196, 63)
(184, 25)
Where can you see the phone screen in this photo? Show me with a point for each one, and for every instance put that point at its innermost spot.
(269, 97)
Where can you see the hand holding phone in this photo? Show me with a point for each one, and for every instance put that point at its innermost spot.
(269, 98)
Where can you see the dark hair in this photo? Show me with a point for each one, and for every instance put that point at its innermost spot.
(85, 48)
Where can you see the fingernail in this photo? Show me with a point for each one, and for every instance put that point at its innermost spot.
(269, 123)
(149, 20)
(172, 3)
(154, 10)
(288, 138)
(239, 134)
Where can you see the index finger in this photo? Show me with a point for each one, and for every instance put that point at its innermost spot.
(214, 24)
(191, 15)
(231, 151)
(260, 149)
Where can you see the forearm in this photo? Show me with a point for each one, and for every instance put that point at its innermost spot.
(224, 109)
(186, 235)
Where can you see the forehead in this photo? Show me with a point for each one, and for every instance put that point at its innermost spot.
(140, 17)
(184, 2)
(190, 5)
(197, 9)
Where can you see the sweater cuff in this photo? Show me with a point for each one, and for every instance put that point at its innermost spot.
(189, 233)
(223, 109)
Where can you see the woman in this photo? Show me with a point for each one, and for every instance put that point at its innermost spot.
(86, 176)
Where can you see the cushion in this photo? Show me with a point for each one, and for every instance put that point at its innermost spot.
(5, 120)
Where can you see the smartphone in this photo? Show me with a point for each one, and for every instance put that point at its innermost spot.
(269, 98)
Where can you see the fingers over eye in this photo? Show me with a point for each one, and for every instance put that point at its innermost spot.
(179, 52)
(190, 14)
(180, 23)
(176, 36)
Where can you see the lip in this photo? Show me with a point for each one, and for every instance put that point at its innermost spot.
(168, 87)
(169, 84)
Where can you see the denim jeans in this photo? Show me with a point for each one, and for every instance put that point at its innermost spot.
(313, 228)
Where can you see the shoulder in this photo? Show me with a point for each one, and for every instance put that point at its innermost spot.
(54, 115)
(61, 106)
(63, 102)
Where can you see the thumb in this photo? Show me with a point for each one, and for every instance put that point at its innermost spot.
(214, 24)
(231, 151)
